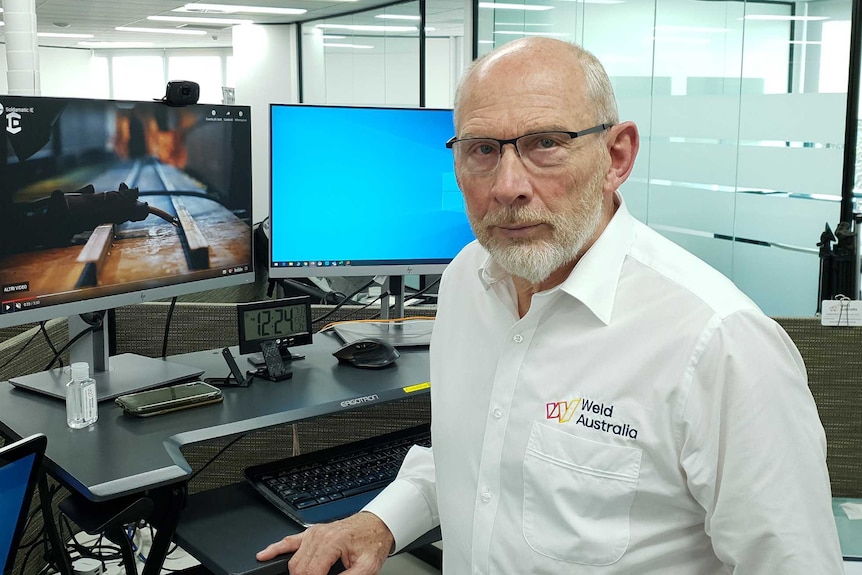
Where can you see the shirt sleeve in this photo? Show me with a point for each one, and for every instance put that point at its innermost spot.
(408, 505)
(754, 451)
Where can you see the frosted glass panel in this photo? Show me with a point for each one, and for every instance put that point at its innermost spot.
(367, 58)
(781, 282)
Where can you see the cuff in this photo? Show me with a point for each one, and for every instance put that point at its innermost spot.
(402, 507)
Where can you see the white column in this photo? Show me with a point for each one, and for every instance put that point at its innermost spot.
(267, 72)
(22, 48)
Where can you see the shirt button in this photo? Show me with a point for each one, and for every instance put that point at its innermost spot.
(518, 338)
(498, 413)
(486, 496)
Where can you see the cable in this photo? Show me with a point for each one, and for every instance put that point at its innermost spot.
(391, 320)
(20, 350)
(344, 301)
(168, 327)
(421, 292)
(72, 341)
(216, 456)
(27, 557)
(48, 339)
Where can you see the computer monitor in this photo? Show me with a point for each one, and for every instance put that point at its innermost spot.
(363, 191)
(106, 203)
(20, 464)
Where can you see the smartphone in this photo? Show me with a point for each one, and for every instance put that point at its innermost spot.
(172, 398)
(236, 377)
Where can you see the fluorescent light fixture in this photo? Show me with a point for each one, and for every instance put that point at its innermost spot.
(783, 17)
(397, 17)
(486, 42)
(115, 44)
(62, 35)
(368, 28)
(675, 28)
(200, 20)
(504, 6)
(516, 33)
(2, 23)
(804, 42)
(333, 37)
(338, 45)
(234, 8)
(183, 31)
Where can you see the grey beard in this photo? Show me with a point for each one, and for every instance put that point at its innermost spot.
(536, 261)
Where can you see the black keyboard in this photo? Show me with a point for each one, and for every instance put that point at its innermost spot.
(332, 483)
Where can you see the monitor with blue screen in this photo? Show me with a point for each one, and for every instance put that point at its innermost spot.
(363, 191)
(19, 471)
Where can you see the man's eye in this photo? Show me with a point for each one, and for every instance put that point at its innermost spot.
(485, 149)
(480, 149)
(547, 143)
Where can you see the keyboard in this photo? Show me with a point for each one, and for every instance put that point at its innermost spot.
(333, 483)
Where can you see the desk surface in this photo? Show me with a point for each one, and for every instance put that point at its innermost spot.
(122, 454)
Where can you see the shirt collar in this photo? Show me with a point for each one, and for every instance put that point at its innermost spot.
(594, 279)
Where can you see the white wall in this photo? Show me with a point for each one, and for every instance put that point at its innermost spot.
(266, 72)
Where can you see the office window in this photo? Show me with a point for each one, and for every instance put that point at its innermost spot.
(137, 77)
(99, 73)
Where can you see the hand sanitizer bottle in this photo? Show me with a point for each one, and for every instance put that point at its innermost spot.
(81, 406)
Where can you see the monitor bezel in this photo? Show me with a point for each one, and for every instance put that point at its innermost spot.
(139, 294)
(376, 268)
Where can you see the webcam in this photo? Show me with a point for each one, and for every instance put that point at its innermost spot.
(181, 93)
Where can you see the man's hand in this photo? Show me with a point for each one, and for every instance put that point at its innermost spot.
(362, 542)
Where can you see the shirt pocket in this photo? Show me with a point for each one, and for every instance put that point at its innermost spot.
(578, 496)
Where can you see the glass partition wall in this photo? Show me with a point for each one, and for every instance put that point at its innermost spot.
(741, 108)
(379, 57)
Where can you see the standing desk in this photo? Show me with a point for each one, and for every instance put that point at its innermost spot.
(122, 456)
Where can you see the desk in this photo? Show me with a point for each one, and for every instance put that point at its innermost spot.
(122, 455)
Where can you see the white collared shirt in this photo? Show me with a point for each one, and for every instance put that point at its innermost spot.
(644, 417)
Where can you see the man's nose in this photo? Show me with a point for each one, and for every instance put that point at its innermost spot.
(511, 180)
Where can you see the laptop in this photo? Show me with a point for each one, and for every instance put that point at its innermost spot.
(20, 463)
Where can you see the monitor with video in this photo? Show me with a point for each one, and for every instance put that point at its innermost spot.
(106, 203)
(363, 191)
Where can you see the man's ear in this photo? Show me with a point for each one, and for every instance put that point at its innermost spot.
(622, 141)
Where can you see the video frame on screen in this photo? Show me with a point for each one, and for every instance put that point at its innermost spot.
(106, 197)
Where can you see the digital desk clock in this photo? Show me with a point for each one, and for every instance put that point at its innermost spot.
(287, 322)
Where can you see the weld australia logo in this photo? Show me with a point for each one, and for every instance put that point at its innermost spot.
(591, 414)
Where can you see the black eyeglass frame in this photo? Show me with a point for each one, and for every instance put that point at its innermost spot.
(514, 141)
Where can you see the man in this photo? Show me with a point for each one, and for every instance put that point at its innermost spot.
(603, 401)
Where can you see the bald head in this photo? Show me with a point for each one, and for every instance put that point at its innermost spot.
(542, 63)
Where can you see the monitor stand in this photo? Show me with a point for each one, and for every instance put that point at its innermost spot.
(399, 334)
(116, 375)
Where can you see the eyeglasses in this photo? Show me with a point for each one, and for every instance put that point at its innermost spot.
(540, 149)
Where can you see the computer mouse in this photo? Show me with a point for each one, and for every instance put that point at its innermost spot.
(368, 353)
